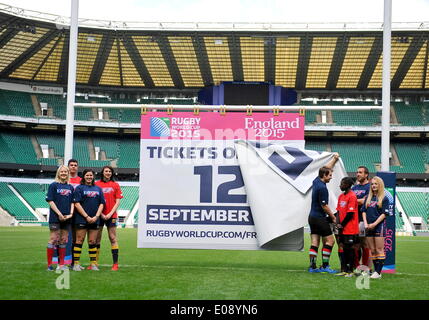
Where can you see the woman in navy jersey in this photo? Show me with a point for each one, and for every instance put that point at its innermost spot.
(89, 202)
(374, 211)
(60, 199)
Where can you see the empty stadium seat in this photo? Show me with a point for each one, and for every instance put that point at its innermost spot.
(12, 204)
(415, 204)
(33, 193)
(129, 153)
(17, 142)
(411, 157)
(410, 115)
(131, 195)
(355, 154)
(16, 103)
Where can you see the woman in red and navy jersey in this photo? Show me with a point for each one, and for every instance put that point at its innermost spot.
(60, 199)
(374, 211)
(109, 218)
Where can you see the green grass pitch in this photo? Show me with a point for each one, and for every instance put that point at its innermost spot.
(167, 274)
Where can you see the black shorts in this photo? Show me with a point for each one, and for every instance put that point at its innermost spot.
(319, 226)
(112, 222)
(350, 239)
(88, 226)
(62, 225)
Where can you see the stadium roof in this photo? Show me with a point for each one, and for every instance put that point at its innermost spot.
(140, 56)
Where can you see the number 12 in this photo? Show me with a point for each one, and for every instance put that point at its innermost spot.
(223, 196)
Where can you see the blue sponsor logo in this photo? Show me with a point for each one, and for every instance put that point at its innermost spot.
(159, 127)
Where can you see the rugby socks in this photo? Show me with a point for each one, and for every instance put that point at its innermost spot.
(341, 257)
(72, 256)
(115, 253)
(356, 262)
(62, 253)
(313, 256)
(326, 254)
(98, 254)
(55, 258)
(379, 263)
(92, 250)
(374, 262)
(50, 253)
(349, 257)
(77, 251)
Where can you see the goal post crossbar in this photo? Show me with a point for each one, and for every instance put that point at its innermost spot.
(224, 107)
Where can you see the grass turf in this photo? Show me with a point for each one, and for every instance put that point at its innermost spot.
(169, 274)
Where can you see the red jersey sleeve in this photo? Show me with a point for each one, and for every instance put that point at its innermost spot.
(118, 191)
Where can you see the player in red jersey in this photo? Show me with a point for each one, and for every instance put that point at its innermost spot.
(73, 166)
(348, 225)
(74, 178)
(113, 195)
(361, 189)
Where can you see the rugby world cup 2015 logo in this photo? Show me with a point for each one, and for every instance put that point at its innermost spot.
(159, 127)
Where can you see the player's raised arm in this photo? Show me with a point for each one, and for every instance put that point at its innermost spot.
(333, 161)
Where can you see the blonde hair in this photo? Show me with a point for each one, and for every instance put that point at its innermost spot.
(380, 192)
(57, 176)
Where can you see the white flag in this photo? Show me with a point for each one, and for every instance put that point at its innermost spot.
(278, 179)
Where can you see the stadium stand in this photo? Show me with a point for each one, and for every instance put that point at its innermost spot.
(416, 205)
(411, 156)
(56, 104)
(131, 195)
(13, 205)
(33, 193)
(109, 145)
(81, 150)
(129, 152)
(6, 155)
(16, 143)
(399, 221)
(16, 103)
(166, 82)
(317, 146)
(356, 154)
(124, 152)
(411, 115)
(356, 118)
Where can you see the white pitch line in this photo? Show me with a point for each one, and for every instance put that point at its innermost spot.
(170, 267)
(199, 267)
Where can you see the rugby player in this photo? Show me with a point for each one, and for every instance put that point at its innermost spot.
(320, 219)
(348, 225)
(89, 202)
(112, 195)
(60, 200)
(374, 212)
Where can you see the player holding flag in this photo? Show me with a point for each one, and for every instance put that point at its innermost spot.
(320, 219)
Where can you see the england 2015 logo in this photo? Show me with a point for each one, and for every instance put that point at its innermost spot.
(159, 127)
